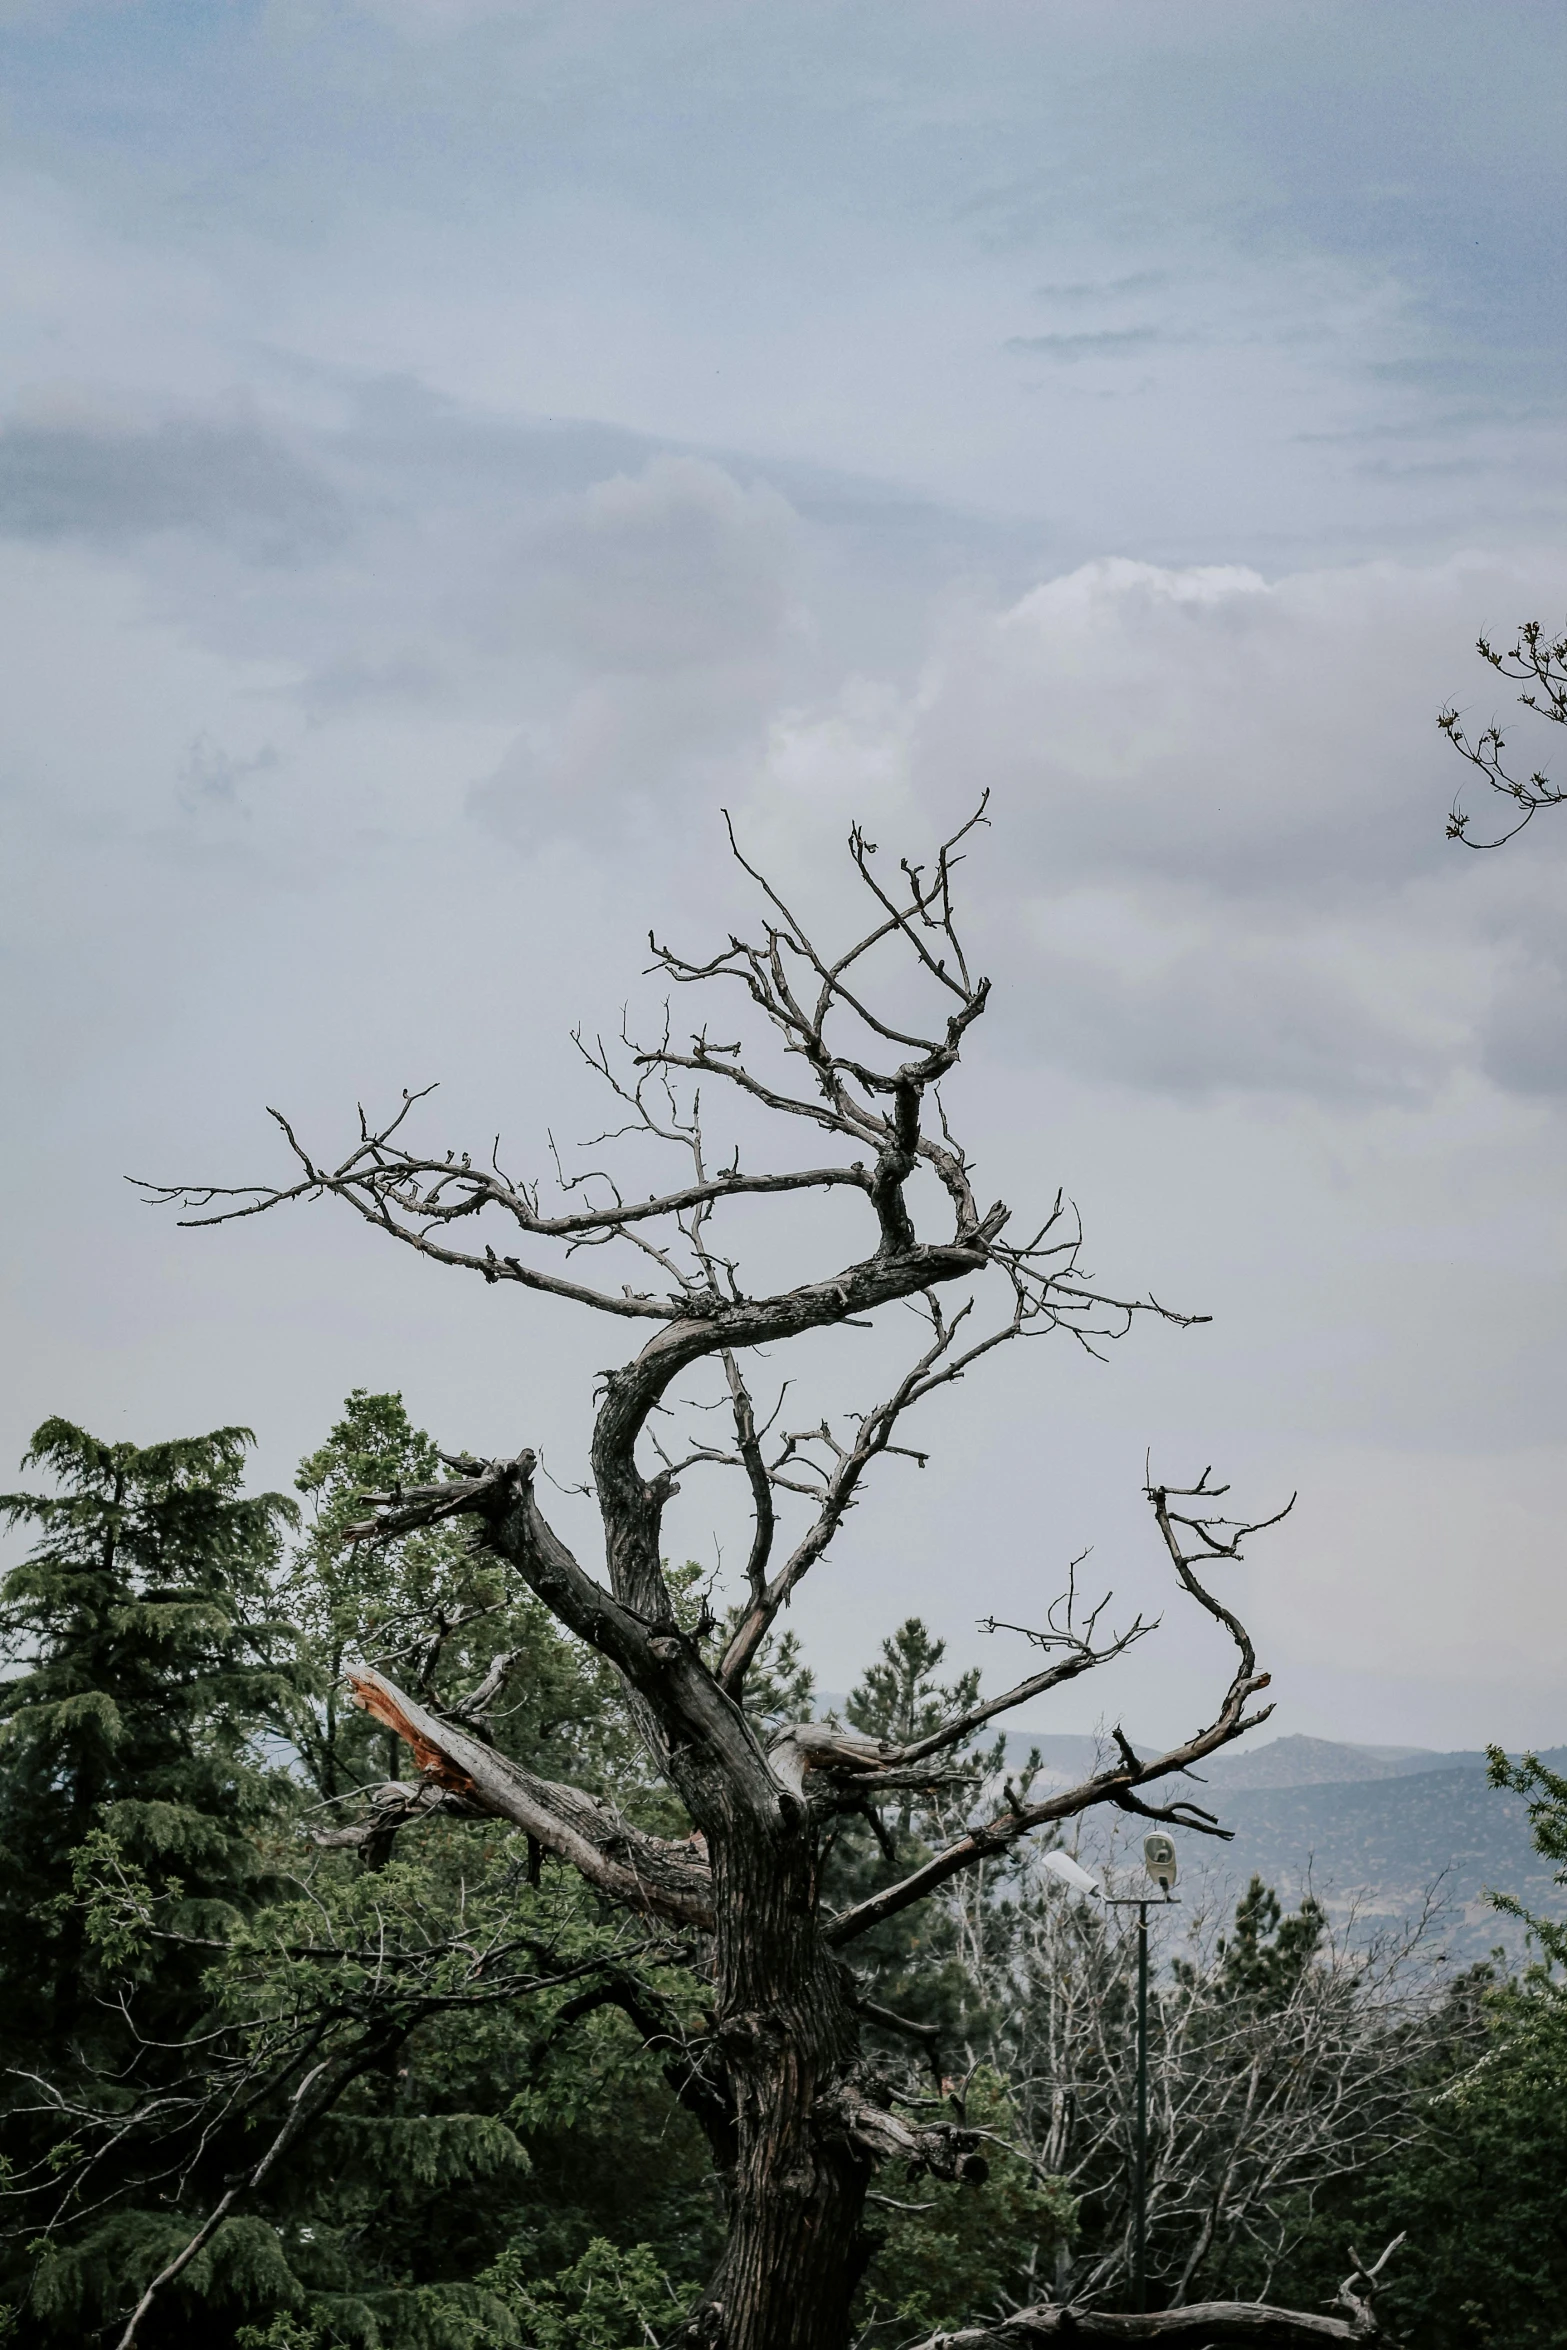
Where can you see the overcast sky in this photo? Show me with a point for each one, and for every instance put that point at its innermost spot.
(449, 449)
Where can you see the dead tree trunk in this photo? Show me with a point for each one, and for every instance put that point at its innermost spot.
(789, 2038)
(797, 2121)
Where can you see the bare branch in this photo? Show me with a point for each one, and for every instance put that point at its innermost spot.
(937, 1366)
(1061, 1633)
(303, 2108)
(1539, 663)
(866, 1071)
(1201, 2325)
(643, 1872)
(944, 2150)
(1116, 1786)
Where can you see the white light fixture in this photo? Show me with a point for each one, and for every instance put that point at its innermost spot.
(1159, 1861)
(1062, 1865)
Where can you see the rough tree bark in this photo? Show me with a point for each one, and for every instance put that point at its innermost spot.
(797, 2118)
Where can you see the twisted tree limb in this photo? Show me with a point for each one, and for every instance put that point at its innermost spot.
(642, 1872)
(1250, 2325)
(809, 2123)
(1254, 2324)
(944, 2150)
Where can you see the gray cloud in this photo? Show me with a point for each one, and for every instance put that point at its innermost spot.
(110, 483)
(677, 566)
(1189, 725)
(210, 773)
(1222, 873)
(1223, 1015)
(1106, 343)
(1141, 281)
(356, 680)
(642, 751)
(1523, 1024)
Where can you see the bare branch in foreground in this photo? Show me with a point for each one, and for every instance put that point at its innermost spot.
(1200, 2325)
(1203, 2325)
(642, 1872)
(1214, 1539)
(304, 2108)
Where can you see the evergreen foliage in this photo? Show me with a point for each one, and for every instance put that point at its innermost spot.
(1480, 2182)
(146, 1657)
(911, 1959)
(1264, 1956)
(146, 1662)
(1480, 2189)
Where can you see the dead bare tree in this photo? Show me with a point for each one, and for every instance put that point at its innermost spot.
(1284, 2055)
(797, 2117)
(1537, 662)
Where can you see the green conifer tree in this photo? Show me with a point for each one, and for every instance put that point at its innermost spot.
(144, 1662)
(911, 1960)
(144, 1657)
(405, 1600)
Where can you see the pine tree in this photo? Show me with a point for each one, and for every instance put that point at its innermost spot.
(143, 1662)
(441, 1612)
(148, 1657)
(900, 1698)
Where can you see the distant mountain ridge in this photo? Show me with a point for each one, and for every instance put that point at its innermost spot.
(1372, 1831)
(1280, 1762)
(1294, 1761)
(1324, 1762)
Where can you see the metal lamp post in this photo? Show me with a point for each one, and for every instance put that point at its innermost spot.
(1159, 1861)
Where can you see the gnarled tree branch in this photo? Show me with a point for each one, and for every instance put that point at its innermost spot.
(1248, 2325)
(642, 1872)
(1215, 1539)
